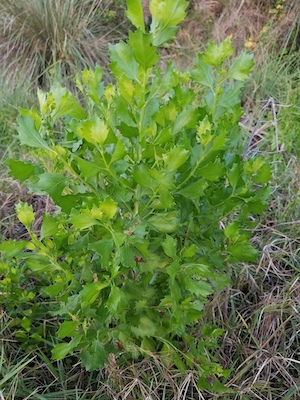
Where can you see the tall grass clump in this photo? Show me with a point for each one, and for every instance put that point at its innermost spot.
(44, 38)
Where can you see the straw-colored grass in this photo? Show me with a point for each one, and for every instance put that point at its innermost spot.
(42, 38)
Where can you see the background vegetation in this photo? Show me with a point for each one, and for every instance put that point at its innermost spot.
(260, 312)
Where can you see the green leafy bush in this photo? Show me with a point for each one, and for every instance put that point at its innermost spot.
(152, 197)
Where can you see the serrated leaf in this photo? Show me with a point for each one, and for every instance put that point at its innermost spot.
(94, 130)
(90, 292)
(104, 248)
(215, 55)
(109, 207)
(203, 73)
(186, 119)
(119, 151)
(135, 13)
(60, 350)
(142, 176)
(175, 158)
(52, 183)
(234, 175)
(11, 248)
(146, 328)
(197, 287)
(168, 12)
(94, 357)
(29, 135)
(263, 175)
(243, 252)
(25, 213)
(54, 290)
(116, 301)
(88, 169)
(229, 99)
(165, 35)
(231, 231)
(123, 61)
(194, 190)
(49, 226)
(67, 329)
(211, 172)
(165, 222)
(94, 86)
(170, 245)
(241, 67)
(144, 53)
(20, 170)
(82, 220)
(65, 104)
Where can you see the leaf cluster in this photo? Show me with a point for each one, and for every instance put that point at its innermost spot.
(152, 197)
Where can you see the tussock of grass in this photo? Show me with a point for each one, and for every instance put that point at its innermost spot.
(42, 38)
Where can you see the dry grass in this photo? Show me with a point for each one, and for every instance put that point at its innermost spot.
(42, 38)
(253, 24)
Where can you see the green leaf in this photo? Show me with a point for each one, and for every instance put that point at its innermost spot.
(232, 231)
(92, 80)
(215, 55)
(263, 175)
(25, 213)
(90, 292)
(144, 53)
(135, 13)
(194, 190)
(103, 247)
(234, 175)
(60, 350)
(20, 170)
(211, 172)
(168, 12)
(243, 252)
(141, 175)
(82, 221)
(94, 130)
(87, 169)
(123, 61)
(146, 328)
(241, 67)
(65, 103)
(186, 119)
(52, 183)
(203, 73)
(67, 329)
(198, 287)
(116, 301)
(119, 151)
(49, 226)
(29, 135)
(164, 35)
(170, 245)
(11, 248)
(109, 207)
(175, 158)
(165, 222)
(94, 357)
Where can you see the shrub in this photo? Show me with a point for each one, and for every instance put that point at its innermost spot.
(152, 200)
